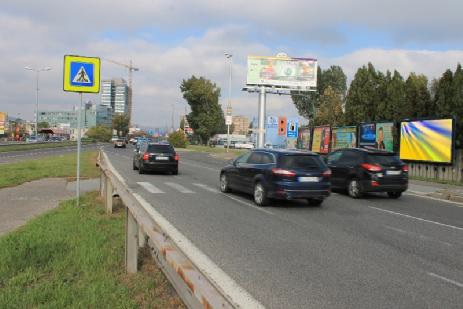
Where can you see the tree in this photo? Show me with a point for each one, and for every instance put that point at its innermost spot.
(418, 97)
(206, 117)
(99, 133)
(178, 139)
(330, 111)
(43, 125)
(397, 106)
(121, 124)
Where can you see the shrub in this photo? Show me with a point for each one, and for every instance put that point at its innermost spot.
(178, 139)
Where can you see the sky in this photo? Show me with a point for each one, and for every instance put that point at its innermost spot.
(172, 40)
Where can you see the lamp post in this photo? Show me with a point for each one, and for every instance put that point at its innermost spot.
(37, 71)
(229, 108)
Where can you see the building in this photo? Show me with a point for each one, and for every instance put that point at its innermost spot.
(104, 116)
(115, 94)
(240, 125)
(68, 118)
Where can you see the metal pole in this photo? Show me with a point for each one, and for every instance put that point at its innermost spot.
(261, 119)
(37, 107)
(78, 152)
(229, 56)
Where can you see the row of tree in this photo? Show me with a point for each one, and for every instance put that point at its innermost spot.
(377, 96)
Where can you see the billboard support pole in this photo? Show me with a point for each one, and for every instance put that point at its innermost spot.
(261, 120)
(78, 152)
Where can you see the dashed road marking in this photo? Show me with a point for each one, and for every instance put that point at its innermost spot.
(150, 187)
(206, 187)
(178, 187)
(458, 284)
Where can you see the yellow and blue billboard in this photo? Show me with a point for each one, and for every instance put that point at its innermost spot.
(427, 140)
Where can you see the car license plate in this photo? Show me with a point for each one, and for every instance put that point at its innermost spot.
(308, 179)
(393, 172)
(162, 158)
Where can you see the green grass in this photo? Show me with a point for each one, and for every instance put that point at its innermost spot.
(74, 257)
(215, 149)
(13, 174)
(20, 147)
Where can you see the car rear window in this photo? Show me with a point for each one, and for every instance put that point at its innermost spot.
(384, 159)
(304, 162)
(160, 148)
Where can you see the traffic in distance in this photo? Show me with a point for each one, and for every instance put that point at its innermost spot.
(285, 174)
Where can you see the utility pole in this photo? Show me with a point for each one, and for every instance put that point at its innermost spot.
(228, 117)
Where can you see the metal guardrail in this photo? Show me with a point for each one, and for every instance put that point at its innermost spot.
(198, 281)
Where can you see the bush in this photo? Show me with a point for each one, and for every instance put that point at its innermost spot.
(99, 133)
(178, 139)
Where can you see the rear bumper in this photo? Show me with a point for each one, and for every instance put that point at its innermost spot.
(397, 187)
(321, 190)
(160, 166)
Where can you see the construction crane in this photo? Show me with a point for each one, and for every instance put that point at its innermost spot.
(131, 69)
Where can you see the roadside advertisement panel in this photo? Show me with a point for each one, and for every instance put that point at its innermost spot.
(367, 134)
(344, 137)
(427, 140)
(304, 136)
(384, 136)
(321, 139)
(282, 72)
(3, 120)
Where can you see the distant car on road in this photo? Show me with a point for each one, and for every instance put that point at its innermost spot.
(120, 143)
(362, 170)
(240, 145)
(278, 174)
(156, 157)
(114, 138)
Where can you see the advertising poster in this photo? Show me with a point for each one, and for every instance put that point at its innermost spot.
(427, 140)
(384, 136)
(304, 137)
(3, 118)
(292, 127)
(344, 137)
(321, 139)
(282, 71)
(367, 135)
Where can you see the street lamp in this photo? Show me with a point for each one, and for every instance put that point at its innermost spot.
(229, 108)
(37, 71)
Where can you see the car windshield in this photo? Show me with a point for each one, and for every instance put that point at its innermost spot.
(384, 159)
(160, 148)
(303, 162)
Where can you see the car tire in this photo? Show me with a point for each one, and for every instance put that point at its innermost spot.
(315, 201)
(140, 170)
(224, 187)
(260, 195)
(134, 166)
(394, 194)
(354, 189)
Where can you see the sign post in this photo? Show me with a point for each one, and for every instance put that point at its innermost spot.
(80, 74)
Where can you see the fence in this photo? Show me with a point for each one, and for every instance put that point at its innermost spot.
(438, 171)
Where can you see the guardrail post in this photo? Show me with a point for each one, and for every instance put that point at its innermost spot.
(102, 184)
(131, 243)
(142, 237)
(109, 196)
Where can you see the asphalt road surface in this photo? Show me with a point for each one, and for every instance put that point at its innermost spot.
(21, 155)
(369, 253)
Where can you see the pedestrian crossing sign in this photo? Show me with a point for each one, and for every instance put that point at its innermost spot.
(81, 74)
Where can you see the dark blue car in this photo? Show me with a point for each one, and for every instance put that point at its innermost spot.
(278, 174)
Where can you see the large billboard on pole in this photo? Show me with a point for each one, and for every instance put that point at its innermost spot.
(285, 72)
(3, 119)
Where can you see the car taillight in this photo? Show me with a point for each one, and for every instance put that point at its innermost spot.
(282, 172)
(176, 157)
(371, 167)
(327, 173)
(146, 156)
(405, 168)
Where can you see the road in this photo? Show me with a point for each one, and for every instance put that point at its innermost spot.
(368, 253)
(21, 155)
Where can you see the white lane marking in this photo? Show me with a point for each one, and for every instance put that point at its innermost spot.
(150, 187)
(417, 235)
(416, 218)
(458, 284)
(414, 193)
(206, 187)
(178, 187)
(199, 166)
(248, 204)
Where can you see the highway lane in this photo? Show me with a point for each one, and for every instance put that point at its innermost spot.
(369, 253)
(32, 154)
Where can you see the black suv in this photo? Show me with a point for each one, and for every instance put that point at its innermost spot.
(156, 157)
(362, 170)
(278, 174)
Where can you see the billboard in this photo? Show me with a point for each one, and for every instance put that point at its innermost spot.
(3, 120)
(427, 140)
(367, 134)
(292, 127)
(272, 134)
(343, 137)
(384, 136)
(321, 139)
(304, 136)
(282, 72)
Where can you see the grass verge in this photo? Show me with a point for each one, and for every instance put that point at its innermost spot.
(13, 174)
(74, 257)
(20, 147)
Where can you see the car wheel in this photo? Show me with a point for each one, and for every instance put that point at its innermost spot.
(354, 189)
(140, 170)
(315, 201)
(394, 194)
(260, 195)
(224, 187)
(134, 166)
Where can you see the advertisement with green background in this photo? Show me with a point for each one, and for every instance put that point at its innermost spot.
(384, 136)
(343, 137)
